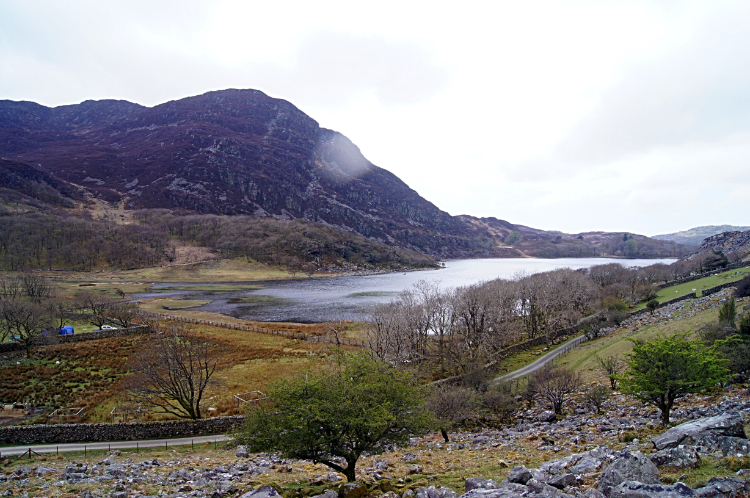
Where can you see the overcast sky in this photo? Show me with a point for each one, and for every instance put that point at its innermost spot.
(568, 115)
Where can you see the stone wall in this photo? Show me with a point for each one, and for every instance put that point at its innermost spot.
(76, 433)
(7, 347)
(732, 266)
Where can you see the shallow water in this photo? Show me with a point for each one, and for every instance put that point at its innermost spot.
(323, 299)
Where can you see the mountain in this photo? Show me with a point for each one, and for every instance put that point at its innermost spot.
(241, 152)
(695, 236)
(734, 244)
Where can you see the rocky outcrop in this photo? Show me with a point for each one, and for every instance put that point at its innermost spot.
(729, 424)
(725, 242)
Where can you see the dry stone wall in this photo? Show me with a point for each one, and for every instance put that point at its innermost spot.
(76, 433)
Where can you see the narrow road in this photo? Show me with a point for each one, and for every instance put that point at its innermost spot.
(114, 445)
(543, 360)
(153, 443)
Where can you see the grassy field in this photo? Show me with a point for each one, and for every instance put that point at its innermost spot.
(696, 286)
(583, 358)
(224, 270)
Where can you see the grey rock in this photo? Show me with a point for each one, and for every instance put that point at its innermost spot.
(79, 468)
(86, 494)
(727, 424)
(41, 471)
(115, 469)
(328, 493)
(435, 492)
(415, 469)
(593, 493)
(680, 457)
(409, 457)
(519, 475)
(547, 416)
(262, 492)
(634, 489)
(241, 452)
(586, 465)
(563, 481)
(478, 483)
(542, 489)
(628, 467)
(724, 488)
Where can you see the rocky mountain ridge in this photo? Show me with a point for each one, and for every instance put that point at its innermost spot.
(236, 152)
(734, 242)
(694, 236)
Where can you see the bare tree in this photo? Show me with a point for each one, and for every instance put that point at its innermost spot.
(554, 384)
(36, 287)
(173, 372)
(10, 287)
(23, 321)
(96, 307)
(611, 366)
(450, 405)
(122, 314)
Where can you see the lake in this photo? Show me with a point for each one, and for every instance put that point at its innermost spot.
(307, 300)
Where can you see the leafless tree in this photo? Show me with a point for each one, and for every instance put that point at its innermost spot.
(24, 321)
(122, 314)
(450, 405)
(96, 308)
(10, 287)
(611, 366)
(173, 372)
(36, 287)
(554, 384)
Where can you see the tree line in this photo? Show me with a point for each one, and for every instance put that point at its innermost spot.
(60, 241)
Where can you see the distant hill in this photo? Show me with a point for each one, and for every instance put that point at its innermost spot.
(241, 152)
(734, 244)
(694, 236)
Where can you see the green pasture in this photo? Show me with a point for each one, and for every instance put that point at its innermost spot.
(680, 290)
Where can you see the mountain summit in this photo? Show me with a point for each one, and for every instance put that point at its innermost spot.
(234, 152)
(226, 152)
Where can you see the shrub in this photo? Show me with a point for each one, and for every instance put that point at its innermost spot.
(596, 396)
(743, 288)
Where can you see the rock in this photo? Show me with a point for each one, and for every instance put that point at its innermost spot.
(415, 469)
(352, 490)
(519, 475)
(727, 424)
(86, 494)
(119, 494)
(547, 416)
(409, 457)
(40, 471)
(262, 492)
(681, 457)
(563, 481)
(435, 492)
(241, 452)
(628, 467)
(539, 489)
(478, 483)
(328, 493)
(727, 487)
(593, 493)
(79, 468)
(634, 489)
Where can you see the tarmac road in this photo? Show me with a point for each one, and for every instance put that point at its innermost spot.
(114, 445)
(543, 360)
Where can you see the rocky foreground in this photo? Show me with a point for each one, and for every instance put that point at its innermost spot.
(596, 462)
